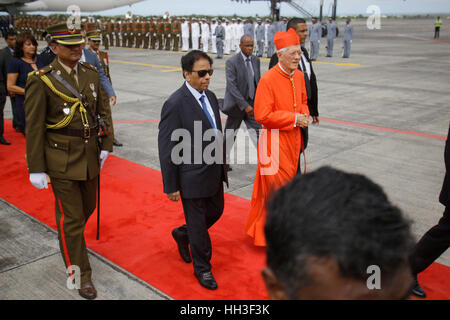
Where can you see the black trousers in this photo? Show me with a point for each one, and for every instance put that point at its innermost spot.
(436, 32)
(432, 244)
(200, 215)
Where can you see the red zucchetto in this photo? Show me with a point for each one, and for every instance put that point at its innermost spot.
(286, 39)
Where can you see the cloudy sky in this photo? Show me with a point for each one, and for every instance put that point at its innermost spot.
(228, 7)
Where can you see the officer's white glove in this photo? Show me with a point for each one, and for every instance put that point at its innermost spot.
(103, 155)
(39, 180)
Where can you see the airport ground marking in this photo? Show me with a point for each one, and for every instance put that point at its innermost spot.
(347, 123)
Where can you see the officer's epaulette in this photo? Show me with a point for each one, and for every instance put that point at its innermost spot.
(88, 65)
(41, 71)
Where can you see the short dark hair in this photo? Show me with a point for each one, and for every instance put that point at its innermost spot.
(188, 60)
(21, 39)
(292, 23)
(10, 33)
(332, 214)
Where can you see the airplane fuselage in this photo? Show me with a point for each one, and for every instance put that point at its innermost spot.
(84, 5)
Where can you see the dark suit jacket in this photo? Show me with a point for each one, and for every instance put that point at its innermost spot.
(313, 100)
(47, 56)
(236, 93)
(444, 197)
(5, 56)
(200, 180)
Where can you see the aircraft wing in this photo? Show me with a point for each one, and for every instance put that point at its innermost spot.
(14, 2)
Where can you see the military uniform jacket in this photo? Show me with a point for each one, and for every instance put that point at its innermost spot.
(62, 156)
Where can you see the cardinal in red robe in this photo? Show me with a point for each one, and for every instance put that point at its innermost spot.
(281, 108)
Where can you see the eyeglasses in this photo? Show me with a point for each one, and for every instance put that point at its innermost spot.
(202, 73)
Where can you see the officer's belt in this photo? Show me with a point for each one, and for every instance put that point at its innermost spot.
(82, 133)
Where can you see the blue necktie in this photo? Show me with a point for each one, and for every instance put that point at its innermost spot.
(202, 100)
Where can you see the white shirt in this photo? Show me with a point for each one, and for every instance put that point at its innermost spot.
(307, 65)
(205, 30)
(195, 30)
(185, 30)
(197, 95)
(245, 62)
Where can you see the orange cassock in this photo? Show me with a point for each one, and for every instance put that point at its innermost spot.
(278, 97)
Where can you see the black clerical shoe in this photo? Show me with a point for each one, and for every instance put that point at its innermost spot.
(183, 245)
(418, 291)
(3, 141)
(207, 280)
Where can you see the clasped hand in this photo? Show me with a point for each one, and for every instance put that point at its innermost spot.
(302, 120)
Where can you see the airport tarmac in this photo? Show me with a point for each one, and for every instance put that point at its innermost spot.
(384, 112)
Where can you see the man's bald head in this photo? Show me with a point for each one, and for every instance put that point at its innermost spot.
(246, 38)
(246, 45)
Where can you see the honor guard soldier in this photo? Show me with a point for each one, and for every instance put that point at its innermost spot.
(130, 31)
(117, 32)
(146, 33)
(124, 33)
(139, 33)
(168, 34)
(153, 34)
(160, 32)
(66, 112)
(176, 33)
(110, 32)
(104, 29)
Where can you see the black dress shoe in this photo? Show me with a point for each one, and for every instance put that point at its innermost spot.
(3, 141)
(117, 143)
(418, 291)
(229, 168)
(207, 280)
(183, 246)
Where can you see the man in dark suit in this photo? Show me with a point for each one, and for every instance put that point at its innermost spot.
(436, 240)
(305, 65)
(5, 55)
(48, 54)
(243, 74)
(192, 175)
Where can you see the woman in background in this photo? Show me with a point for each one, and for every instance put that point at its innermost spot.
(25, 61)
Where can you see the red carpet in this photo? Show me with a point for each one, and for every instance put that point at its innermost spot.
(136, 225)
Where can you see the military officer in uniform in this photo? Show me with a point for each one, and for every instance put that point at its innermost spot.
(130, 30)
(124, 33)
(104, 25)
(160, 32)
(94, 45)
(62, 105)
(153, 34)
(138, 29)
(176, 33)
(168, 34)
(117, 33)
(146, 33)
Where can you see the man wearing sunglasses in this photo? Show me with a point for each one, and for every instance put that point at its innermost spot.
(198, 182)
